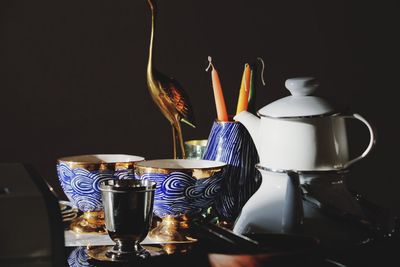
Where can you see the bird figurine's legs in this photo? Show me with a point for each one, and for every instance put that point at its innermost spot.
(180, 140)
(174, 139)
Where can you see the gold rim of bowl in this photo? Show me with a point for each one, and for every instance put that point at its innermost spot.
(90, 162)
(197, 142)
(196, 172)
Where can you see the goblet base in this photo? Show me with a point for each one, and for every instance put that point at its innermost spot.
(116, 253)
(172, 229)
(109, 254)
(89, 222)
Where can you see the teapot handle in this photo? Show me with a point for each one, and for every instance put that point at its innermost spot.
(372, 139)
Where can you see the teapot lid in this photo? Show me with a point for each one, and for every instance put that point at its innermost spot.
(300, 103)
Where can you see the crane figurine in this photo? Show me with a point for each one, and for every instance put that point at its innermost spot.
(168, 94)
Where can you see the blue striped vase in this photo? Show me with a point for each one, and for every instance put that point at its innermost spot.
(231, 143)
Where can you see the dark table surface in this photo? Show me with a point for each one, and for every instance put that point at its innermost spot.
(354, 245)
(384, 252)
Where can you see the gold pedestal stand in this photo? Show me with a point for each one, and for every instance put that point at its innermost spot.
(89, 222)
(172, 229)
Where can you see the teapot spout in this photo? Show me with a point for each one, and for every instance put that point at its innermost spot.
(252, 124)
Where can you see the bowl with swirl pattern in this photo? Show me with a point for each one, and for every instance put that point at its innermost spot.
(185, 188)
(80, 177)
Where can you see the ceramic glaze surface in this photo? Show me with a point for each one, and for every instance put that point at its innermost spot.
(230, 142)
(294, 136)
(300, 103)
(275, 207)
(178, 192)
(303, 132)
(78, 258)
(304, 144)
(82, 186)
(80, 180)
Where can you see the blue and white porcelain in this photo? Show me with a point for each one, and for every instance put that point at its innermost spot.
(80, 176)
(184, 187)
(231, 143)
(78, 258)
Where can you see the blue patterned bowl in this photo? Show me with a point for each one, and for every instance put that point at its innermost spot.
(78, 258)
(80, 176)
(184, 187)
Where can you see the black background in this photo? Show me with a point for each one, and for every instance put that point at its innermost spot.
(73, 81)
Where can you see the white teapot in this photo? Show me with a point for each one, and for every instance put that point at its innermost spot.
(299, 139)
(302, 132)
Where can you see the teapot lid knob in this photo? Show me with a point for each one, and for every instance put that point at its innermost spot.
(301, 103)
(302, 86)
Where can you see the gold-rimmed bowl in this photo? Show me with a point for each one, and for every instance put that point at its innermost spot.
(185, 188)
(80, 177)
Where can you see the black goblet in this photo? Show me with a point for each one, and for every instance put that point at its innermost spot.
(128, 210)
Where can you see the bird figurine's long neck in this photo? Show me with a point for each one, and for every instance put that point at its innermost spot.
(150, 75)
(167, 93)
